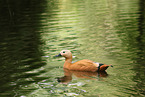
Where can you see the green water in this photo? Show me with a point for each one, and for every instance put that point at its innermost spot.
(105, 31)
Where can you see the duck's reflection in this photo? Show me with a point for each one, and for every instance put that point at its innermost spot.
(88, 75)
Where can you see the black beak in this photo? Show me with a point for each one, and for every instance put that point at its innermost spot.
(59, 55)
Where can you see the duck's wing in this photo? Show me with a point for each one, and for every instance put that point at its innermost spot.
(89, 62)
(83, 65)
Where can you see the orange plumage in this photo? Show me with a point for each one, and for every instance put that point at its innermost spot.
(82, 65)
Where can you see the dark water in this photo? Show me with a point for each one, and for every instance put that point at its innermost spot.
(111, 32)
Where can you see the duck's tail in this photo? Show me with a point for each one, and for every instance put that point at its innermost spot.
(103, 67)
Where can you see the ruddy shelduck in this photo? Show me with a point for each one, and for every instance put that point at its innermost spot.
(82, 65)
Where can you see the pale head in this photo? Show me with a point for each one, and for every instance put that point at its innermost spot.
(66, 53)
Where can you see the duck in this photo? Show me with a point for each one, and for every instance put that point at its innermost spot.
(85, 65)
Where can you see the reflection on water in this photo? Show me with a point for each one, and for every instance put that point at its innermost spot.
(110, 32)
(21, 62)
(87, 75)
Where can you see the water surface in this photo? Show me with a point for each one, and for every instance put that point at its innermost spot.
(110, 32)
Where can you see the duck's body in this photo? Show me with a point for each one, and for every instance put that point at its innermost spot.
(82, 65)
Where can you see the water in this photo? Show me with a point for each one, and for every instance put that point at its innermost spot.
(105, 31)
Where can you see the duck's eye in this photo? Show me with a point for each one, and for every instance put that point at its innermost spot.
(63, 51)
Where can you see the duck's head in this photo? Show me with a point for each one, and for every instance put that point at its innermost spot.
(65, 53)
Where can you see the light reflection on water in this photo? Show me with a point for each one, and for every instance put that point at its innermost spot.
(109, 32)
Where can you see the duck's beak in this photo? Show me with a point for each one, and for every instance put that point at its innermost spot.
(58, 55)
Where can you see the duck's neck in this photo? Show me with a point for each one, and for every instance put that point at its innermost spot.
(67, 62)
